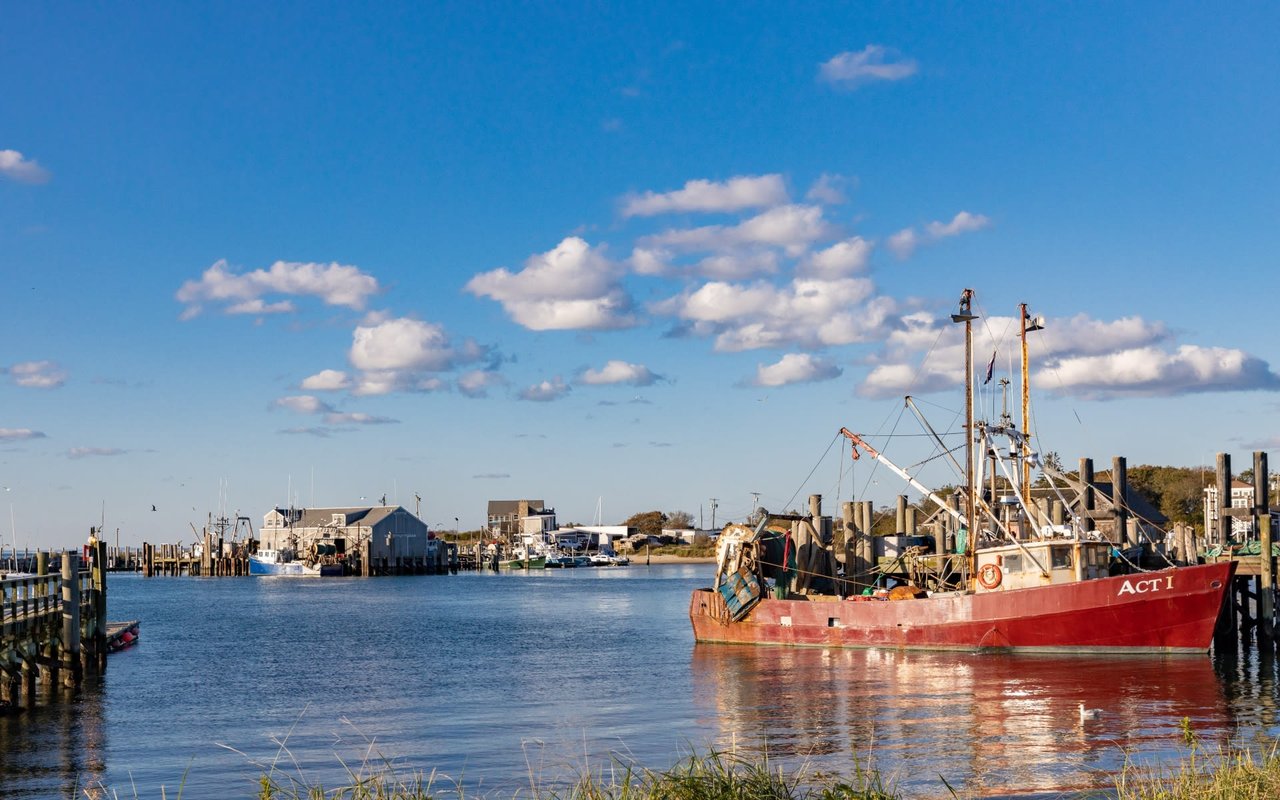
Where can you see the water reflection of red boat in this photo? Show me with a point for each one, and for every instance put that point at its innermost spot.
(995, 723)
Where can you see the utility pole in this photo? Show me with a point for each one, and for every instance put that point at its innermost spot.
(713, 513)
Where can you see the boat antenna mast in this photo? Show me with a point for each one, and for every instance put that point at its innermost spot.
(1027, 325)
(965, 314)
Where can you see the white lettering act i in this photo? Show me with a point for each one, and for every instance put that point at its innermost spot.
(1147, 586)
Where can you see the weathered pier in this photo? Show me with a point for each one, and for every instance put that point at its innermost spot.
(53, 625)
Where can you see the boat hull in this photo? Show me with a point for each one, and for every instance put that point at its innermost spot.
(525, 563)
(258, 566)
(1169, 611)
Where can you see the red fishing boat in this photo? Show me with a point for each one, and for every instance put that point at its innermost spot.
(1012, 587)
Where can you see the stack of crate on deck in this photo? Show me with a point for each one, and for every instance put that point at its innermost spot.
(741, 591)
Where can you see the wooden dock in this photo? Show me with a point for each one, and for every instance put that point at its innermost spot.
(53, 625)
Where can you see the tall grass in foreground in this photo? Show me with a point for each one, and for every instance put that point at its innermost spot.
(714, 776)
(1225, 775)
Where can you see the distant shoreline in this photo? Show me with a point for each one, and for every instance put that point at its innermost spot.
(658, 558)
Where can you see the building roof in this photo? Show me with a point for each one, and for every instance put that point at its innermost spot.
(321, 517)
(507, 508)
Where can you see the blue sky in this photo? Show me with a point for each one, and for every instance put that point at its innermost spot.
(614, 257)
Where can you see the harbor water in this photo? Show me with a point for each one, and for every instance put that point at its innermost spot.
(501, 682)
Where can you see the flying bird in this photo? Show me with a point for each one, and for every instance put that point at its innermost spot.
(153, 506)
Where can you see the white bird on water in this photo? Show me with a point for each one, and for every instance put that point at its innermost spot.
(1088, 713)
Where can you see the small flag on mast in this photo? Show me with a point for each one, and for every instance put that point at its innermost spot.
(991, 365)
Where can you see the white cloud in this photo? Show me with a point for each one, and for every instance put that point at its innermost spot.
(572, 287)
(89, 452)
(617, 371)
(401, 344)
(19, 434)
(356, 418)
(546, 391)
(963, 222)
(335, 284)
(15, 166)
(791, 227)
(650, 261)
(1148, 371)
(840, 260)
(735, 194)
(808, 313)
(303, 404)
(38, 375)
(737, 265)
(478, 382)
(328, 380)
(903, 243)
(1076, 356)
(796, 368)
(873, 63)
(828, 189)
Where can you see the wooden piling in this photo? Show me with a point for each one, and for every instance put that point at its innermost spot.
(1120, 503)
(70, 644)
(1266, 577)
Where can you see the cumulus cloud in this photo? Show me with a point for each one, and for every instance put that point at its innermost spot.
(795, 368)
(572, 287)
(16, 167)
(545, 391)
(791, 227)
(904, 242)
(735, 194)
(962, 222)
(356, 418)
(808, 313)
(872, 63)
(303, 404)
(334, 284)
(478, 382)
(1076, 356)
(37, 374)
(327, 380)
(616, 371)
(840, 260)
(828, 189)
(91, 452)
(401, 344)
(1148, 371)
(19, 434)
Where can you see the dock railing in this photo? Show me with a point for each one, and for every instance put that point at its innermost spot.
(53, 625)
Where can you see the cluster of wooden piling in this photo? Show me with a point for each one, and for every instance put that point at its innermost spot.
(53, 625)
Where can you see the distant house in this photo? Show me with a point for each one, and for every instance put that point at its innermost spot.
(513, 519)
(1242, 528)
(391, 532)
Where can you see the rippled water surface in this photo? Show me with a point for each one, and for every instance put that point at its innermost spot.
(497, 680)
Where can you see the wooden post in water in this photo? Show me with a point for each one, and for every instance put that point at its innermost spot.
(1222, 531)
(100, 603)
(1120, 502)
(71, 619)
(1087, 498)
(1266, 576)
(900, 518)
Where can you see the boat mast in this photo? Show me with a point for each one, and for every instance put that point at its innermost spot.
(1024, 424)
(966, 316)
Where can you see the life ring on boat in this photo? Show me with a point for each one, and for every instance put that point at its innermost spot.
(990, 576)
